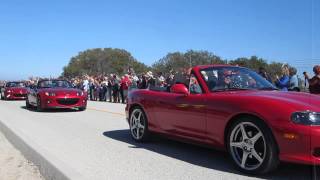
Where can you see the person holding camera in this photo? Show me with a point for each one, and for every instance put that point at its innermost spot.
(283, 82)
(314, 82)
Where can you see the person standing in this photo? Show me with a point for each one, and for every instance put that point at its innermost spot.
(262, 72)
(125, 83)
(110, 88)
(115, 89)
(91, 89)
(283, 82)
(294, 81)
(143, 82)
(105, 88)
(86, 85)
(151, 82)
(314, 82)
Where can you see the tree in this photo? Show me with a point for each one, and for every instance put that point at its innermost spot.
(177, 61)
(102, 61)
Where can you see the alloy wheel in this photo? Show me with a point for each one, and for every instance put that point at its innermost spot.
(247, 146)
(137, 124)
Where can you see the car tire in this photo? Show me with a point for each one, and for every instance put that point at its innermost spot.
(138, 123)
(39, 106)
(3, 97)
(82, 108)
(28, 105)
(252, 146)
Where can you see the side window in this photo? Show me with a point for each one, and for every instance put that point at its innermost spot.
(194, 86)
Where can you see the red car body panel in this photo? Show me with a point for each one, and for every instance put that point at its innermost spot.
(64, 98)
(15, 93)
(204, 118)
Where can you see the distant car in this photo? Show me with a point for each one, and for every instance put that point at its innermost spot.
(14, 91)
(233, 109)
(56, 94)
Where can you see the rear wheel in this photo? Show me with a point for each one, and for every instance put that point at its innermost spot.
(139, 125)
(252, 146)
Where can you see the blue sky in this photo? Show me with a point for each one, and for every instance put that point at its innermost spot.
(39, 37)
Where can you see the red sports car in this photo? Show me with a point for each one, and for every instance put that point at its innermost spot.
(14, 91)
(54, 94)
(233, 109)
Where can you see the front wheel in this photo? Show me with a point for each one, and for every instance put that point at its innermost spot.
(82, 108)
(39, 105)
(3, 97)
(28, 105)
(138, 125)
(252, 146)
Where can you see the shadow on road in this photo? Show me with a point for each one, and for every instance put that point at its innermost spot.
(50, 110)
(206, 157)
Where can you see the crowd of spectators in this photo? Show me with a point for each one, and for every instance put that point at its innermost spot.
(115, 88)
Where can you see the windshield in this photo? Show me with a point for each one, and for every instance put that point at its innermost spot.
(15, 84)
(234, 78)
(54, 84)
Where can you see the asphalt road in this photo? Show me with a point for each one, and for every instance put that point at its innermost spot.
(96, 144)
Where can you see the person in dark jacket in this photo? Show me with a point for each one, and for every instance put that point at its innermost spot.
(262, 72)
(110, 89)
(115, 89)
(314, 82)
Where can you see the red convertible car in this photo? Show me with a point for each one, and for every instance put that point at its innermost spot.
(14, 91)
(233, 109)
(54, 94)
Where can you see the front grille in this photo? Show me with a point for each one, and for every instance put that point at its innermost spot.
(68, 101)
(20, 95)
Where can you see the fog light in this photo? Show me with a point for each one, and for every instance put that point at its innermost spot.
(290, 136)
(48, 102)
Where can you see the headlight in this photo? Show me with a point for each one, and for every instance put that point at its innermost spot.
(80, 93)
(50, 94)
(306, 118)
(9, 91)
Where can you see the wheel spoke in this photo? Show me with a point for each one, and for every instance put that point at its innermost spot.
(236, 144)
(256, 137)
(141, 126)
(256, 155)
(138, 133)
(243, 131)
(244, 159)
(139, 116)
(134, 126)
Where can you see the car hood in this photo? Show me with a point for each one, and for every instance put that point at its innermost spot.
(62, 91)
(298, 100)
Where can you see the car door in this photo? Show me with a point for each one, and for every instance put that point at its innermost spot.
(183, 115)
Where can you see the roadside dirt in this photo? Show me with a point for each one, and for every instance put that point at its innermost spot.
(13, 166)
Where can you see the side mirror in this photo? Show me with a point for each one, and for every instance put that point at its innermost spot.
(180, 89)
